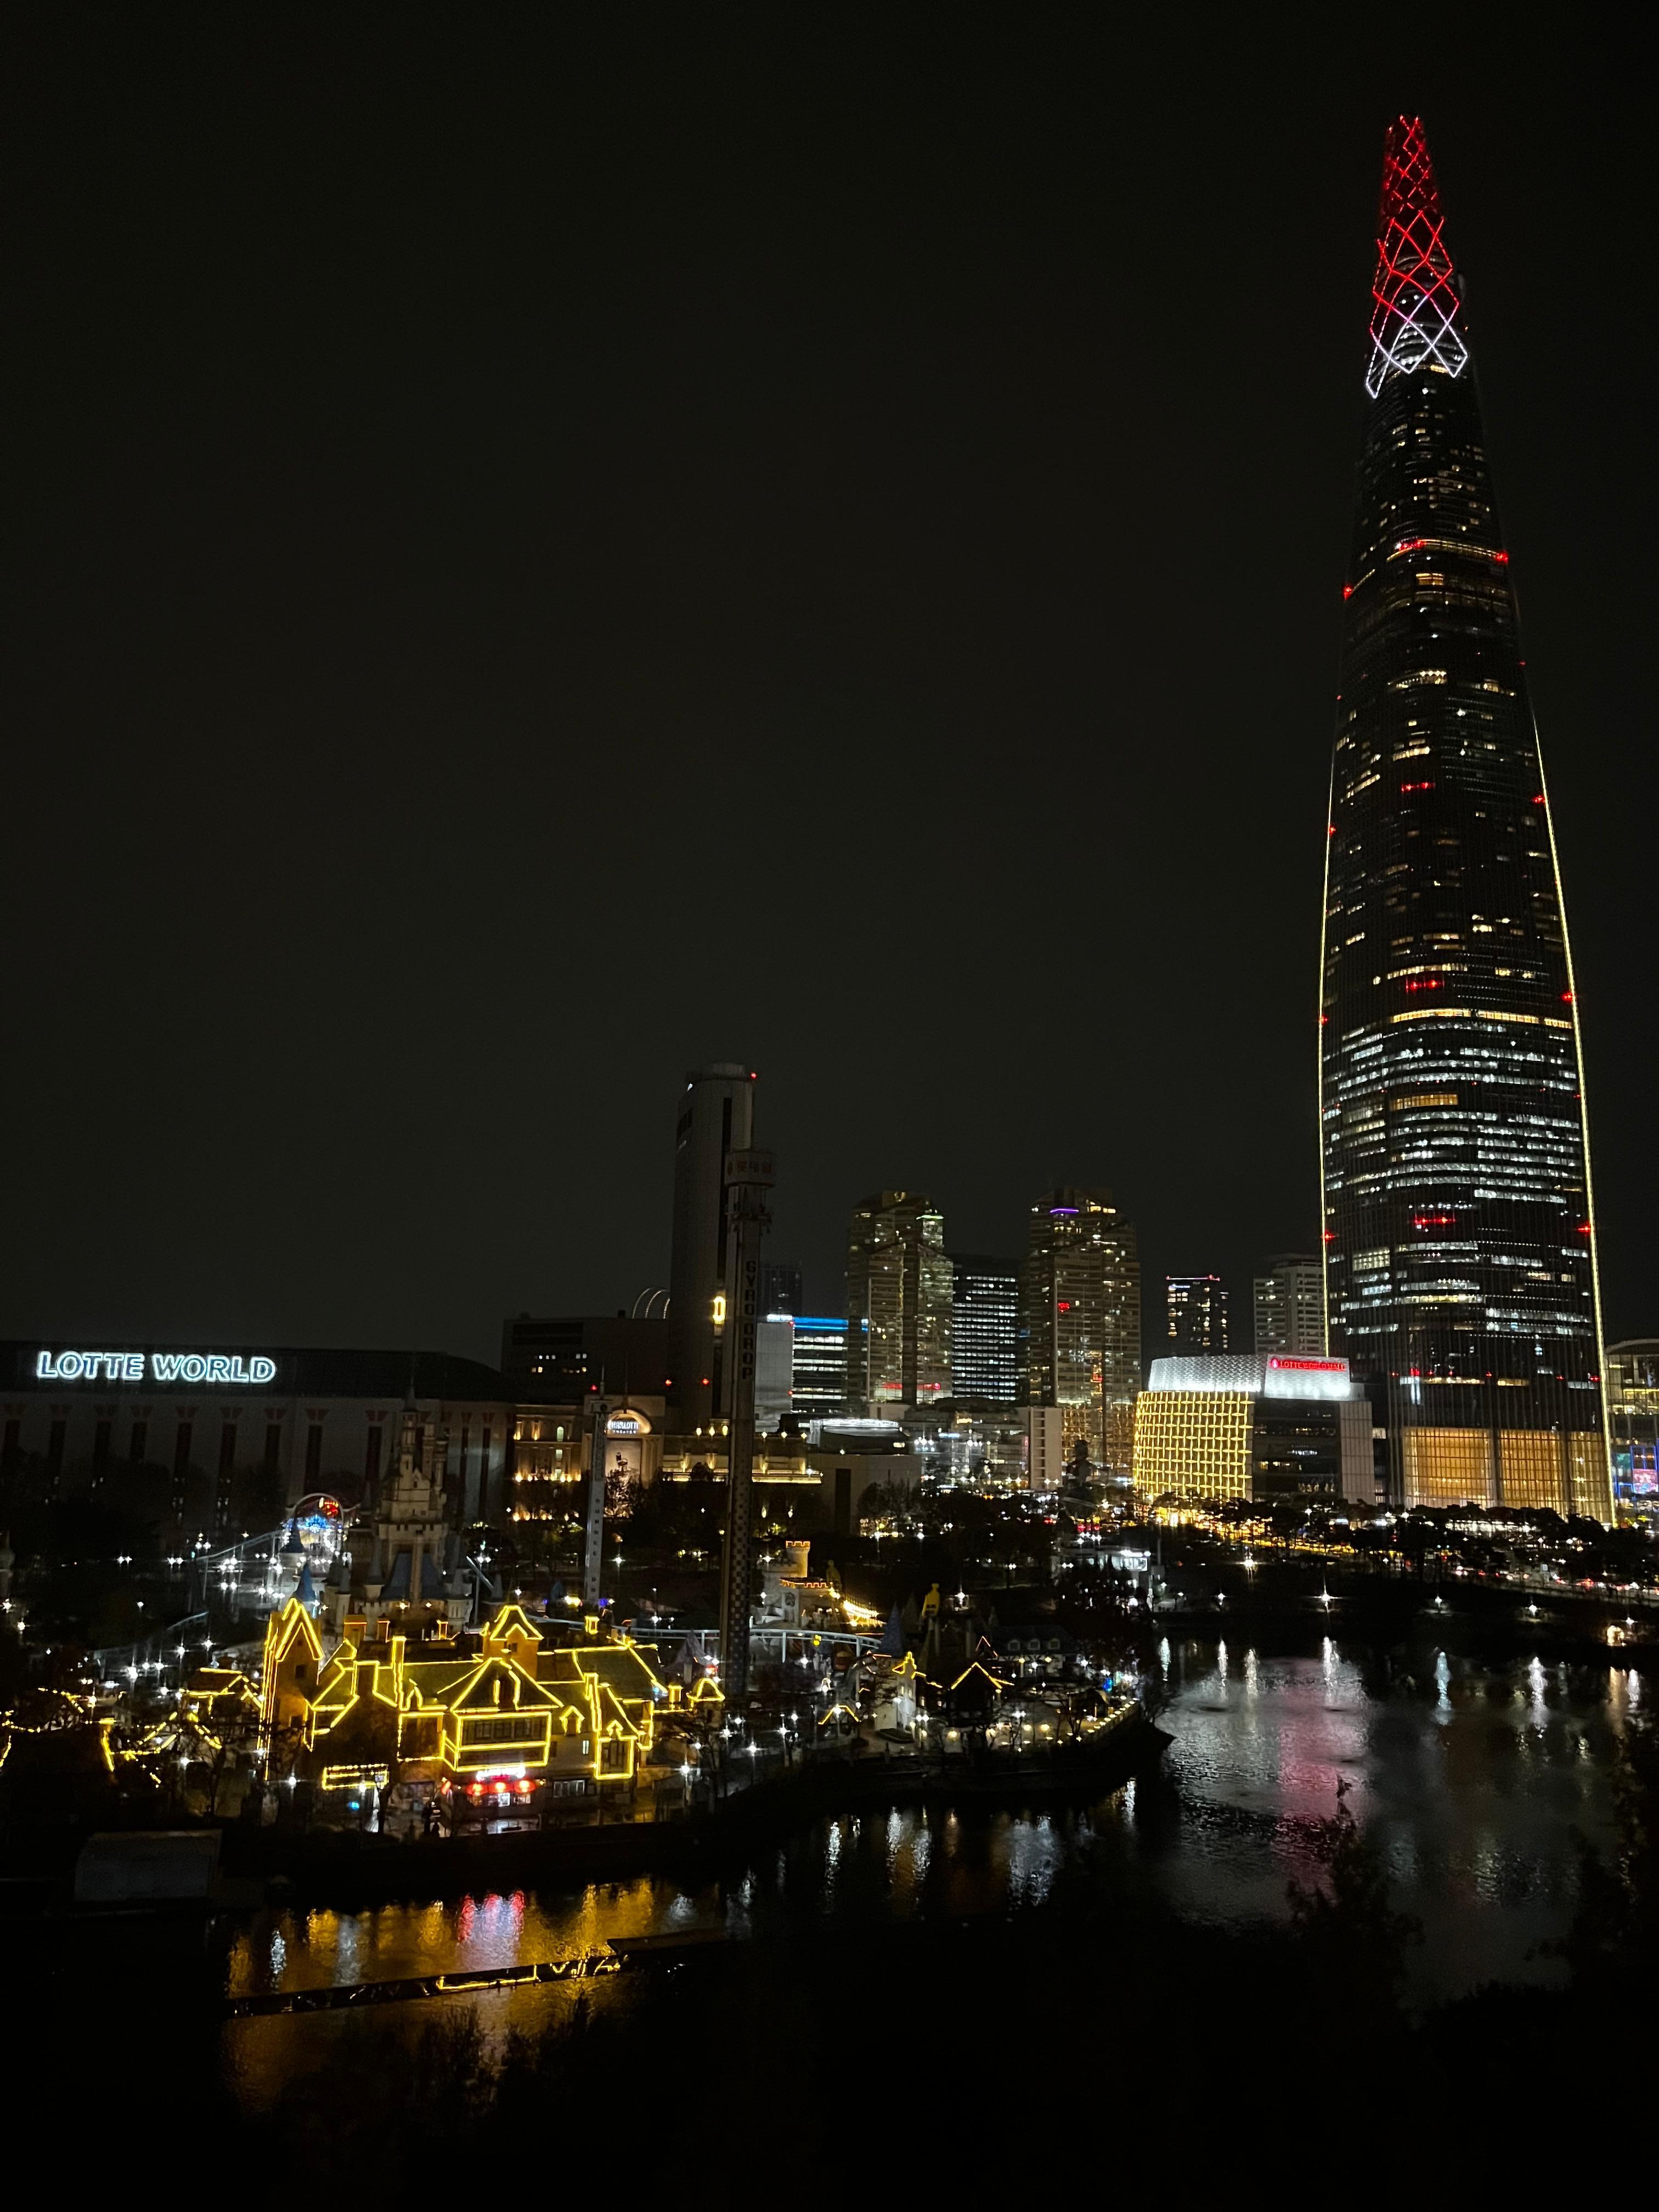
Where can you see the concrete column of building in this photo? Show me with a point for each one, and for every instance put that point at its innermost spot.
(749, 1176)
(593, 1554)
(715, 1119)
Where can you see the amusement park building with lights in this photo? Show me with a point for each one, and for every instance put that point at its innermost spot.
(376, 1680)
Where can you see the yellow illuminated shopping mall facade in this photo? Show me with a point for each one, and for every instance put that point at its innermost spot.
(1195, 1443)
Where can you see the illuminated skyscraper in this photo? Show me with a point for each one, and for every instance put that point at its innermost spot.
(1079, 1321)
(1459, 1236)
(716, 1116)
(985, 1330)
(1196, 1306)
(899, 1281)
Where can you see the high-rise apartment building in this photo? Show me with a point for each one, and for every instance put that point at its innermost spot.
(985, 1329)
(1195, 1309)
(1289, 1305)
(716, 1116)
(1459, 1238)
(900, 1282)
(1080, 1320)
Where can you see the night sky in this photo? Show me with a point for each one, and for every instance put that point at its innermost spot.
(536, 559)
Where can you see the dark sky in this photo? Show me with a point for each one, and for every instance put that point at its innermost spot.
(536, 559)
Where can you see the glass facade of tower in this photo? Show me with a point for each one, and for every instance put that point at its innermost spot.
(1459, 1239)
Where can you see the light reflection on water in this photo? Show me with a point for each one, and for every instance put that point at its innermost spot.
(1472, 1779)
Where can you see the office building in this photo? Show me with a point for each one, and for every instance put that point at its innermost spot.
(1632, 1400)
(565, 1357)
(1273, 1428)
(985, 1329)
(1458, 1235)
(1079, 1321)
(716, 1117)
(819, 1366)
(1288, 1301)
(780, 1287)
(1195, 1309)
(901, 1284)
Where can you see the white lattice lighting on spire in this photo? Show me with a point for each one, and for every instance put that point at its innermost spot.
(1414, 315)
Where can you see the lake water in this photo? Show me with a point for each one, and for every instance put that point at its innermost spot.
(1474, 1778)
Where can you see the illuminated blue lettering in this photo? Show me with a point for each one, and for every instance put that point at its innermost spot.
(164, 1367)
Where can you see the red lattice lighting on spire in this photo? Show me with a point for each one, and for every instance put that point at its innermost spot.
(1414, 318)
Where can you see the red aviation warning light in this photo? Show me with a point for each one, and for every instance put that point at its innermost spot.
(1415, 305)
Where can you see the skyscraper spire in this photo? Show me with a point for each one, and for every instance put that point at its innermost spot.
(1415, 310)
(1459, 1236)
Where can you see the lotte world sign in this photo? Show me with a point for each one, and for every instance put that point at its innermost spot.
(152, 1367)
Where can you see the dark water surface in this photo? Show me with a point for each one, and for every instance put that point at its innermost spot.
(1474, 1779)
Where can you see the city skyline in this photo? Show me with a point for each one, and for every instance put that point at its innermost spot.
(827, 1175)
(306, 688)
